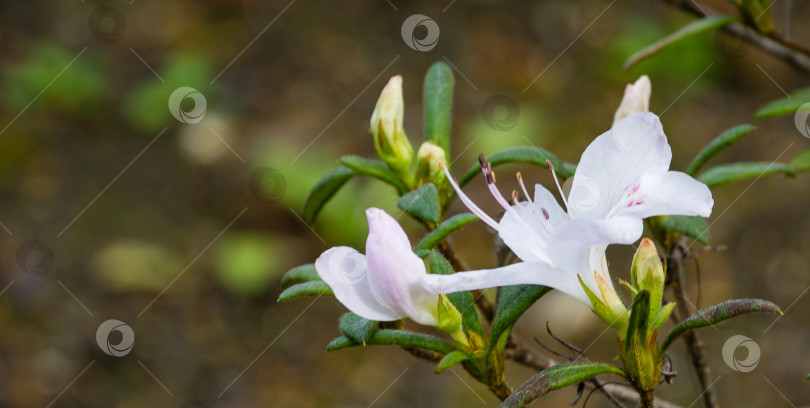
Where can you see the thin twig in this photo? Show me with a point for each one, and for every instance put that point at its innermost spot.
(793, 54)
(675, 259)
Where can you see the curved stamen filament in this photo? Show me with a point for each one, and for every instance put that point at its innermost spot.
(557, 181)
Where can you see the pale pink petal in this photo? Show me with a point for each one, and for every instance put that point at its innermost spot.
(344, 270)
(524, 273)
(395, 272)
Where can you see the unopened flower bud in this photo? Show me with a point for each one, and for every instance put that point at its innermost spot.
(636, 99)
(647, 271)
(429, 160)
(390, 139)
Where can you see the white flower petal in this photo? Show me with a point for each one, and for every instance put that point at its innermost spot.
(525, 232)
(544, 199)
(524, 273)
(614, 162)
(344, 270)
(670, 193)
(395, 272)
(571, 243)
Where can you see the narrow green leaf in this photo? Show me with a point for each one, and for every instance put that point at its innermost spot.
(718, 313)
(639, 320)
(555, 378)
(324, 190)
(313, 288)
(689, 30)
(807, 378)
(422, 203)
(404, 338)
(725, 139)
(691, 226)
(438, 104)
(303, 273)
(801, 162)
(785, 106)
(373, 168)
(463, 301)
(513, 301)
(441, 232)
(520, 154)
(450, 360)
(357, 328)
(727, 173)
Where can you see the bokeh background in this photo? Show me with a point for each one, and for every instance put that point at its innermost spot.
(152, 221)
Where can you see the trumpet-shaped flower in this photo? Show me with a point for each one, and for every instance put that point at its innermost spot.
(621, 179)
(386, 284)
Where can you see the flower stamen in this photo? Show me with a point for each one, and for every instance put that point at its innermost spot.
(556, 181)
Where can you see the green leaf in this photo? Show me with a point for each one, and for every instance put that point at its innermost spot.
(725, 139)
(373, 168)
(463, 301)
(357, 328)
(807, 378)
(450, 360)
(438, 104)
(404, 338)
(689, 30)
(324, 190)
(692, 226)
(555, 378)
(639, 320)
(801, 162)
(520, 154)
(513, 301)
(718, 313)
(727, 173)
(786, 106)
(441, 232)
(314, 288)
(303, 273)
(422, 203)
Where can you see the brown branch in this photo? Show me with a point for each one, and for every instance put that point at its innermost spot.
(425, 354)
(675, 259)
(794, 54)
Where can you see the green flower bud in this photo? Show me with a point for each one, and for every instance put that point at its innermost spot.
(390, 139)
(429, 160)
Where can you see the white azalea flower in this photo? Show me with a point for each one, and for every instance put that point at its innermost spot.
(621, 179)
(386, 284)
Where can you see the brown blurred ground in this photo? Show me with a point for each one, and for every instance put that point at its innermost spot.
(217, 334)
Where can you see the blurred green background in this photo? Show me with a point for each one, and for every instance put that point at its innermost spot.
(152, 221)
